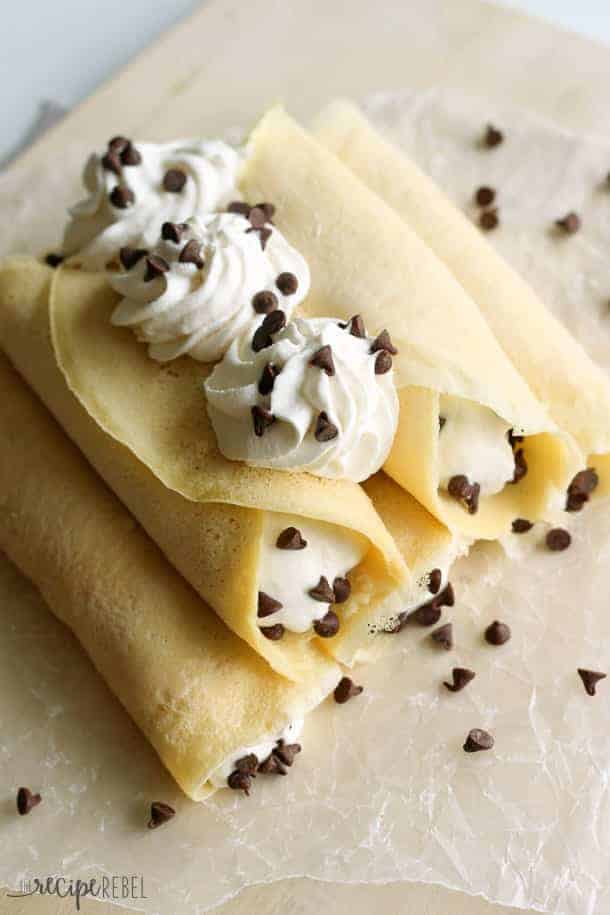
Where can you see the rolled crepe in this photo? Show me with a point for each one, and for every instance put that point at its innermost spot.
(364, 259)
(144, 427)
(198, 693)
(558, 370)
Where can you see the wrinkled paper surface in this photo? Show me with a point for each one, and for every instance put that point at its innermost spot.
(382, 791)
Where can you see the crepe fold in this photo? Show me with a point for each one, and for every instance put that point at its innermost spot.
(364, 259)
(144, 427)
(574, 389)
(196, 690)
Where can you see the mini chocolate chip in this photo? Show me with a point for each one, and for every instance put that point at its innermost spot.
(323, 359)
(240, 207)
(461, 678)
(356, 327)
(129, 257)
(465, 492)
(341, 589)
(322, 591)
(267, 605)
(26, 801)
(122, 197)
(513, 439)
(570, 223)
(325, 431)
(441, 422)
(155, 266)
(268, 209)
(274, 322)
(383, 362)
(257, 217)
(327, 626)
(478, 740)
(286, 752)
(261, 420)
(522, 526)
(191, 254)
(53, 260)
(446, 598)
(484, 196)
(558, 539)
(247, 764)
(520, 466)
(426, 615)
(111, 162)
(264, 235)
(273, 633)
(435, 579)
(173, 231)
(493, 136)
(261, 339)
(160, 813)
(346, 689)
(443, 636)
(267, 379)
(130, 155)
(489, 219)
(174, 180)
(264, 302)
(290, 539)
(118, 144)
(271, 766)
(383, 342)
(240, 781)
(497, 633)
(287, 283)
(580, 489)
(590, 679)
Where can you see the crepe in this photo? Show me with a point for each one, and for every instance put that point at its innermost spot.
(197, 692)
(574, 389)
(204, 512)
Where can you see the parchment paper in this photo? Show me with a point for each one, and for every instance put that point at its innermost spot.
(383, 791)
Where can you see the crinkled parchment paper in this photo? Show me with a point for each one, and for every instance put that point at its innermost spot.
(383, 791)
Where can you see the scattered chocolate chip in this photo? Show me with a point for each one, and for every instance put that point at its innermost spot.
(322, 591)
(290, 539)
(497, 633)
(271, 766)
(489, 219)
(520, 466)
(247, 764)
(465, 492)
(346, 689)
(484, 196)
(26, 801)
(383, 342)
(261, 420)
(267, 379)
(261, 339)
(341, 589)
(383, 362)
(257, 217)
(53, 260)
(267, 605)
(118, 144)
(191, 254)
(493, 136)
(264, 302)
(122, 197)
(570, 223)
(111, 162)
(478, 740)
(435, 579)
(155, 266)
(129, 257)
(240, 781)
(580, 489)
(174, 180)
(173, 231)
(443, 636)
(325, 431)
(323, 359)
(273, 633)
(446, 598)
(130, 155)
(558, 539)
(287, 283)
(327, 626)
(461, 678)
(441, 422)
(426, 615)
(590, 679)
(160, 813)
(286, 752)
(239, 207)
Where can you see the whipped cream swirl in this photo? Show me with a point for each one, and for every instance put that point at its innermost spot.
(313, 395)
(133, 188)
(202, 284)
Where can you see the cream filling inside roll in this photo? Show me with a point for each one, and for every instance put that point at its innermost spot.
(262, 750)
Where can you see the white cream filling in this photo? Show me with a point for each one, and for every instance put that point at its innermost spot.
(473, 442)
(287, 575)
(218, 777)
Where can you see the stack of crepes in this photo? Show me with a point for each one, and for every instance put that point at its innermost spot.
(284, 352)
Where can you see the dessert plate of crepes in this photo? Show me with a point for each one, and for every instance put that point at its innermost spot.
(261, 398)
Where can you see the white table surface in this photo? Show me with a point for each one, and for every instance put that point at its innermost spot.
(69, 50)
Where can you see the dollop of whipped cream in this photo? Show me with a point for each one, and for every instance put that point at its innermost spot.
(204, 283)
(262, 750)
(133, 188)
(474, 442)
(313, 394)
(296, 555)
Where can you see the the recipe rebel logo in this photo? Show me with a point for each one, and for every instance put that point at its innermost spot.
(112, 888)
